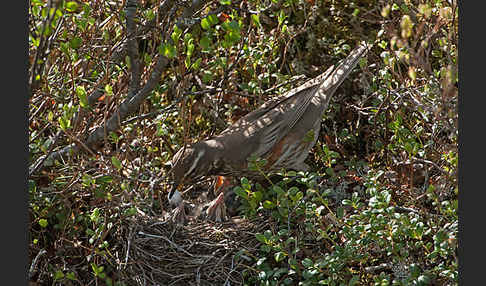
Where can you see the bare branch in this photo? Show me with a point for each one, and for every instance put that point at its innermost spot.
(127, 107)
(41, 50)
(33, 266)
(132, 46)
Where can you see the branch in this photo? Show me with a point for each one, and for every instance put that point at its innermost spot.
(41, 51)
(184, 21)
(376, 268)
(132, 47)
(42, 161)
(33, 265)
(127, 107)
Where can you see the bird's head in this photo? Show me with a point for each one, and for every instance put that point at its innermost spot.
(188, 164)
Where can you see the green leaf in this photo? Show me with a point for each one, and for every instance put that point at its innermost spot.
(95, 215)
(260, 237)
(190, 48)
(266, 248)
(293, 191)
(64, 47)
(281, 17)
(284, 29)
(58, 13)
(205, 24)
(176, 34)
(231, 26)
(168, 50)
(213, 19)
(279, 256)
(187, 62)
(330, 172)
(346, 202)
(71, 276)
(205, 43)
(207, 77)
(104, 179)
(64, 123)
(108, 90)
(36, 42)
(340, 212)
(307, 262)
(225, 2)
(195, 65)
(269, 204)
(83, 98)
(98, 271)
(58, 275)
(298, 196)
(256, 20)
(293, 263)
(278, 190)
(75, 42)
(354, 280)
(240, 192)
(116, 162)
(363, 62)
(128, 62)
(258, 196)
(43, 222)
(406, 25)
(71, 6)
(245, 183)
(130, 212)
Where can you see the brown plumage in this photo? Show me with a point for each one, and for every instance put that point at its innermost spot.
(282, 131)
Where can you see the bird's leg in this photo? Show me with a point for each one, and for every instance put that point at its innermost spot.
(217, 208)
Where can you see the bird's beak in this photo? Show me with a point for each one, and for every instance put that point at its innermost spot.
(175, 197)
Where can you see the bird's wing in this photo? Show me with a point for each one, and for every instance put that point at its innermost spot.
(268, 124)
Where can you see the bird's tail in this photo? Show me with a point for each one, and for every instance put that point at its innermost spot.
(335, 75)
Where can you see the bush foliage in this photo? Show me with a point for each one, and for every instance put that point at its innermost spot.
(379, 206)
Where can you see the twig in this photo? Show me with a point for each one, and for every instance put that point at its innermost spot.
(431, 163)
(33, 265)
(129, 242)
(42, 159)
(41, 48)
(127, 107)
(371, 269)
(406, 210)
(380, 108)
(37, 111)
(217, 263)
(226, 282)
(39, 133)
(168, 240)
(150, 114)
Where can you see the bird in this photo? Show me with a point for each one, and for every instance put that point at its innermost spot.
(281, 132)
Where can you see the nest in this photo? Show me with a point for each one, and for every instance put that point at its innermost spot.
(199, 253)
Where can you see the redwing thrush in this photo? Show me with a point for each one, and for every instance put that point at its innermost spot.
(281, 131)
